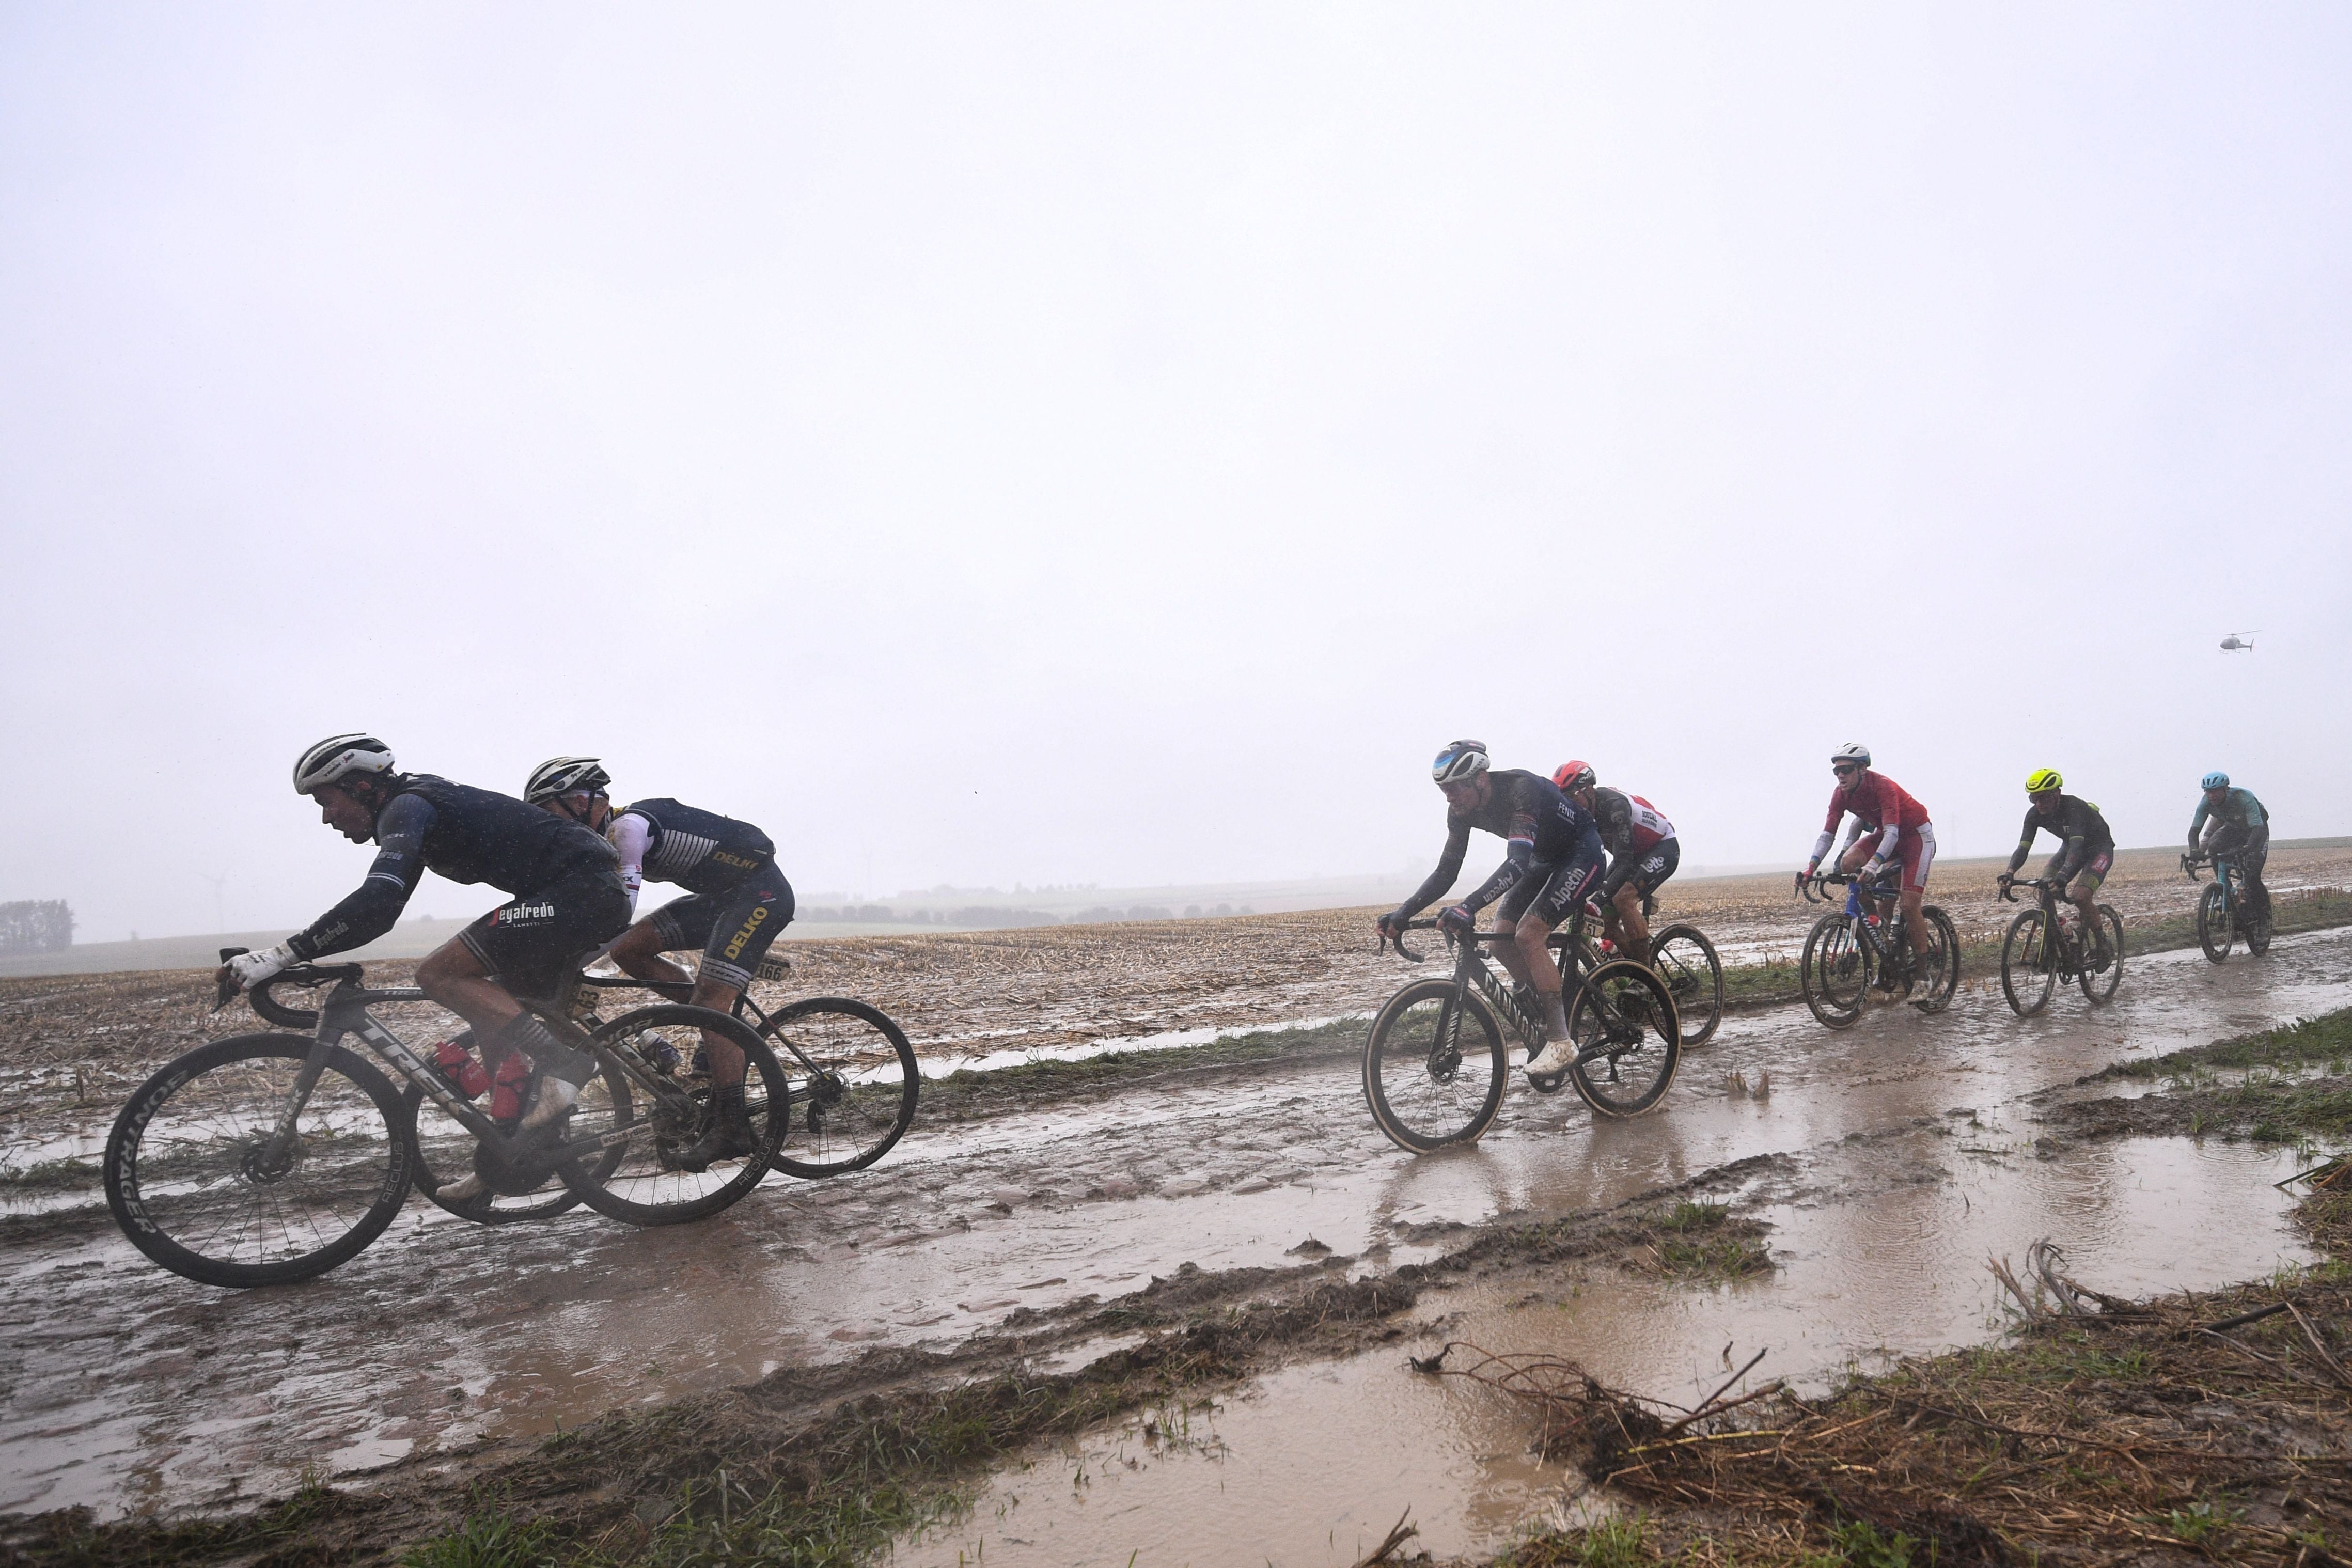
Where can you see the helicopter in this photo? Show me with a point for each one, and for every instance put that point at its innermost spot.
(2239, 642)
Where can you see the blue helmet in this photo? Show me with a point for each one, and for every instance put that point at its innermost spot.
(1462, 760)
(2217, 779)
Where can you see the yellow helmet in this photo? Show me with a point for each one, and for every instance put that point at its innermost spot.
(2041, 779)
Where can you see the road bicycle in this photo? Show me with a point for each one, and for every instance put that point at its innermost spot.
(850, 1070)
(2043, 948)
(269, 1158)
(1849, 950)
(1680, 953)
(2218, 922)
(1439, 1050)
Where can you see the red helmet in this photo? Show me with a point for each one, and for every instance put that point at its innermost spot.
(1573, 776)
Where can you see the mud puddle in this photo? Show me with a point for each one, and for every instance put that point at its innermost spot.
(131, 1389)
(1313, 1465)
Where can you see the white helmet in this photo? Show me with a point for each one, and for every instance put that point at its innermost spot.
(1852, 751)
(1461, 760)
(561, 775)
(338, 755)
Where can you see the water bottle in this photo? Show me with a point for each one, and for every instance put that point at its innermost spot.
(507, 1086)
(459, 1067)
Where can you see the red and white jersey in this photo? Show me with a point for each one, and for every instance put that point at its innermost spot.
(1877, 801)
(1650, 825)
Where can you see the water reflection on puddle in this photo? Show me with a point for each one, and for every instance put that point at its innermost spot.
(1310, 1466)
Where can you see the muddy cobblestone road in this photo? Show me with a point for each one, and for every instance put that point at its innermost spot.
(129, 1389)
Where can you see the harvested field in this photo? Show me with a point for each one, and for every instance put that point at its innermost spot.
(77, 1044)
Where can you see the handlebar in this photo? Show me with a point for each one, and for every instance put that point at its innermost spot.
(1816, 888)
(2010, 891)
(2191, 863)
(1397, 937)
(305, 974)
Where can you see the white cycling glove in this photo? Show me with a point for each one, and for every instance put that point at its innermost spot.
(252, 968)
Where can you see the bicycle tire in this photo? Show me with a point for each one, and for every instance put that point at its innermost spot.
(2216, 931)
(2029, 974)
(646, 1185)
(847, 1125)
(1419, 1099)
(1943, 979)
(172, 1169)
(1635, 1075)
(1686, 960)
(1833, 972)
(2100, 987)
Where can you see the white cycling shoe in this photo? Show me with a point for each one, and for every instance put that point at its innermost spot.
(471, 1190)
(1557, 1057)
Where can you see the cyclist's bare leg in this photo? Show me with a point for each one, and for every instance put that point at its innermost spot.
(639, 954)
(453, 977)
(1914, 922)
(1626, 927)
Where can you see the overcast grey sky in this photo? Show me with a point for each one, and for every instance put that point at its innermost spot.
(987, 443)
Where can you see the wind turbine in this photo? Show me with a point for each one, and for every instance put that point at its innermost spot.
(2239, 642)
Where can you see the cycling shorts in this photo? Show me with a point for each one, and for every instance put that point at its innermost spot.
(1552, 892)
(2087, 876)
(733, 928)
(1918, 853)
(1645, 870)
(531, 944)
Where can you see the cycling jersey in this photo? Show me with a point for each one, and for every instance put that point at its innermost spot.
(661, 840)
(1879, 805)
(2239, 809)
(733, 929)
(1542, 826)
(465, 834)
(2078, 827)
(1629, 824)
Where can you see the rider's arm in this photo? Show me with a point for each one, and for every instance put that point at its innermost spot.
(2197, 823)
(628, 833)
(2255, 819)
(369, 912)
(1518, 857)
(1449, 867)
(2024, 841)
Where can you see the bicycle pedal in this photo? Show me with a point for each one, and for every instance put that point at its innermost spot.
(1547, 1082)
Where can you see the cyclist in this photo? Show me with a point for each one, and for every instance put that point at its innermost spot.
(2234, 823)
(1551, 865)
(736, 902)
(1642, 853)
(1889, 825)
(568, 901)
(2086, 849)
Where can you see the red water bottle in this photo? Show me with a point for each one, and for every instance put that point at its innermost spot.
(507, 1086)
(460, 1066)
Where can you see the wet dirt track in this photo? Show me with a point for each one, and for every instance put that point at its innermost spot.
(129, 1389)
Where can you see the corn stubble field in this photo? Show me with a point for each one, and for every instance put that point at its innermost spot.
(78, 1044)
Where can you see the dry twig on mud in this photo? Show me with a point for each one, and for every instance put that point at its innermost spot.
(2057, 1297)
(1399, 1534)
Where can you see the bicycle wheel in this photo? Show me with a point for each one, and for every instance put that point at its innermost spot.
(1834, 971)
(1433, 1069)
(1686, 960)
(193, 1183)
(2215, 929)
(653, 1117)
(2100, 985)
(1628, 1041)
(2029, 970)
(854, 1084)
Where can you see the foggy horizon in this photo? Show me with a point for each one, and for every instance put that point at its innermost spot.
(1048, 445)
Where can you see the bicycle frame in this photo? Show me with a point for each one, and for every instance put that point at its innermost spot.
(1884, 889)
(2068, 946)
(677, 993)
(344, 1012)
